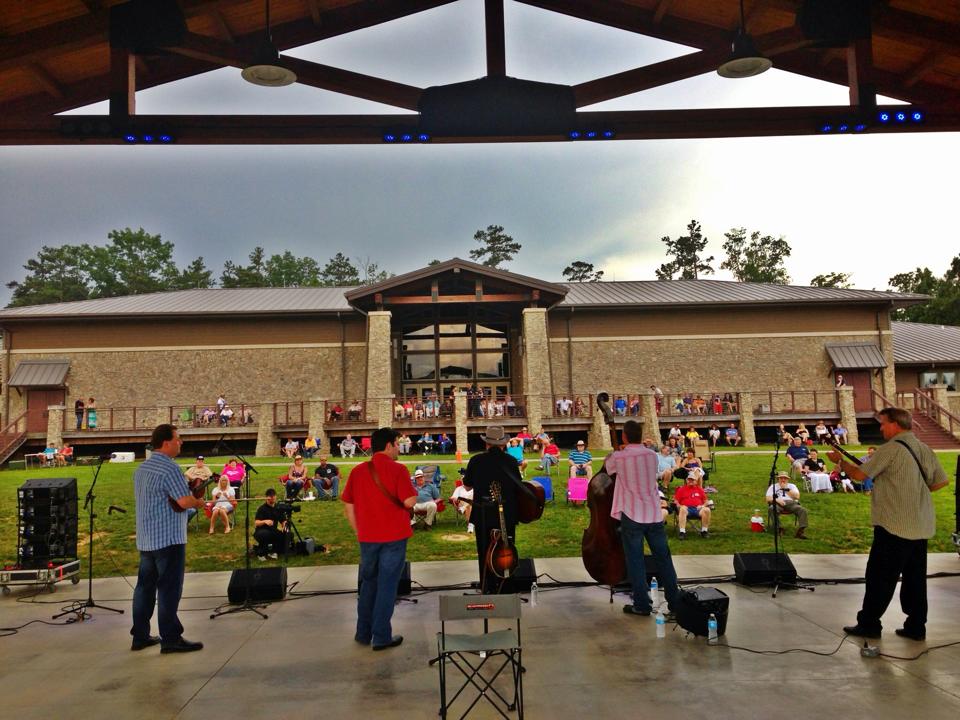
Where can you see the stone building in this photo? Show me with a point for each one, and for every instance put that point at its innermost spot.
(296, 354)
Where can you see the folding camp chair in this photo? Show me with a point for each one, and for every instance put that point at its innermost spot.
(366, 446)
(546, 482)
(470, 654)
(577, 489)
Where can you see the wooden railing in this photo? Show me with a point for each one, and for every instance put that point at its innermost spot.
(12, 436)
(689, 404)
(578, 406)
(924, 404)
(208, 416)
(771, 402)
(290, 413)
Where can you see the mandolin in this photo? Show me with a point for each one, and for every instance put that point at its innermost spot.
(198, 491)
(502, 557)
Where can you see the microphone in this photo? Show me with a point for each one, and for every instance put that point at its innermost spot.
(118, 509)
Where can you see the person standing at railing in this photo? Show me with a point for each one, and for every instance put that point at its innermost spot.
(78, 411)
(91, 414)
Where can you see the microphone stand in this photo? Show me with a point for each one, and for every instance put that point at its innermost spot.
(778, 553)
(247, 605)
(81, 608)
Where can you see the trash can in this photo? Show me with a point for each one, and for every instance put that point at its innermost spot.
(148, 451)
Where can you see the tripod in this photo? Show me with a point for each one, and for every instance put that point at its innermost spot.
(247, 605)
(778, 554)
(89, 602)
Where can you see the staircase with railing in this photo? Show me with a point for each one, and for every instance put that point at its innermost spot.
(12, 437)
(933, 424)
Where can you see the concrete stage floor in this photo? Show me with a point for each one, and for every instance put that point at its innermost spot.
(584, 657)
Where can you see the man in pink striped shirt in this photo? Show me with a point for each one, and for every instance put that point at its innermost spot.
(636, 504)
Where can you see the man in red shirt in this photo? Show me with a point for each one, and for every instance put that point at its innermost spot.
(692, 502)
(378, 499)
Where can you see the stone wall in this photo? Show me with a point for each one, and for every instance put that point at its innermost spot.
(184, 377)
(715, 364)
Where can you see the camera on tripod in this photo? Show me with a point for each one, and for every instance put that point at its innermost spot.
(287, 508)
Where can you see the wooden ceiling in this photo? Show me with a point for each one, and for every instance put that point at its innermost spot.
(55, 55)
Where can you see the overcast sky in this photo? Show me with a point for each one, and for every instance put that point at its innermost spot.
(870, 205)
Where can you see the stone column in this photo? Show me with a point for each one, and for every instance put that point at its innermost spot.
(55, 425)
(460, 421)
(266, 440)
(316, 427)
(651, 422)
(848, 413)
(747, 432)
(536, 365)
(888, 375)
(384, 410)
(942, 398)
(599, 436)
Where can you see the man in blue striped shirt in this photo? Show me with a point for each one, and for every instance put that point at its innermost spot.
(580, 460)
(162, 495)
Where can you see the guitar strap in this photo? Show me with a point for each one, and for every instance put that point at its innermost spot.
(916, 459)
(392, 498)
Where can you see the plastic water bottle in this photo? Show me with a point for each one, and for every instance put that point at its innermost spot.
(661, 625)
(712, 628)
(655, 593)
(534, 595)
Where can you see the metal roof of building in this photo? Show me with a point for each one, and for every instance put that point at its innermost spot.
(640, 293)
(855, 356)
(39, 373)
(924, 344)
(227, 301)
(719, 292)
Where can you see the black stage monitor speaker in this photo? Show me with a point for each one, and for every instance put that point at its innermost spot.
(695, 606)
(265, 583)
(520, 582)
(47, 521)
(405, 586)
(763, 568)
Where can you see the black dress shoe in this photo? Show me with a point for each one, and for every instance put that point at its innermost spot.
(860, 631)
(631, 610)
(150, 641)
(181, 645)
(396, 640)
(903, 632)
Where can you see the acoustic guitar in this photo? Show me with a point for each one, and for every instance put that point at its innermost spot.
(198, 491)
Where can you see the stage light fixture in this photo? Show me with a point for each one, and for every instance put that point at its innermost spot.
(266, 69)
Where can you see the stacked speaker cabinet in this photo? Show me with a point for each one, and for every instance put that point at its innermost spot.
(47, 522)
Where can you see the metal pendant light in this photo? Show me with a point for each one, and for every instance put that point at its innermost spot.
(266, 69)
(744, 61)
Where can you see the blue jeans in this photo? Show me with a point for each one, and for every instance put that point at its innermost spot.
(632, 534)
(160, 583)
(381, 565)
(549, 460)
(323, 493)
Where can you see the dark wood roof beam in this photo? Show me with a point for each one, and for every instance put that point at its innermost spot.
(922, 68)
(347, 82)
(661, 9)
(50, 85)
(496, 43)
(314, 7)
(123, 85)
(863, 90)
(221, 22)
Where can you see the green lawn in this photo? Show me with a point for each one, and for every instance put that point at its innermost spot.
(839, 523)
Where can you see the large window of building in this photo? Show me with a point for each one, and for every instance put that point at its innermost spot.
(939, 377)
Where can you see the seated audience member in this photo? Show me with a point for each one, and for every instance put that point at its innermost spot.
(716, 405)
(785, 437)
(524, 437)
(235, 472)
(798, 454)
(270, 528)
(348, 446)
(246, 417)
(565, 406)
(224, 503)
(427, 496)
(326, 480)
(816, 474)
(620, 405)
(226, 415)
(731, 435)
(666, 464)
(675, 447)
(445, 443)
(447, 409)
(868, 483)
(291, 448)
(198, 473)
(579, 407)
(398, 410)
(296, 477)
(515, 450)
(840, 433)
(675, 433)
(802, 432)
(714, 434)
(692, 502)
(418, 409)
(50, 455)
(729, 403)
(687, 400)
(649, 444)
(336, 412)
(510, 405)
(354, 411)
(404, 443)
(633, 405)
(462, 500)
(691, 435)
(542, 440)
(664, 505)
(784, 499)
(820, 430)
(691, 461)
(842, 482)
(207, 416)
(581, 461)
(551, 455)
(408, 409)
(425, 443)
(699, 405)
(65, 456)
(310, 446)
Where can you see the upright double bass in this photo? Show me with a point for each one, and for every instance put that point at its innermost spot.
(601, 548)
